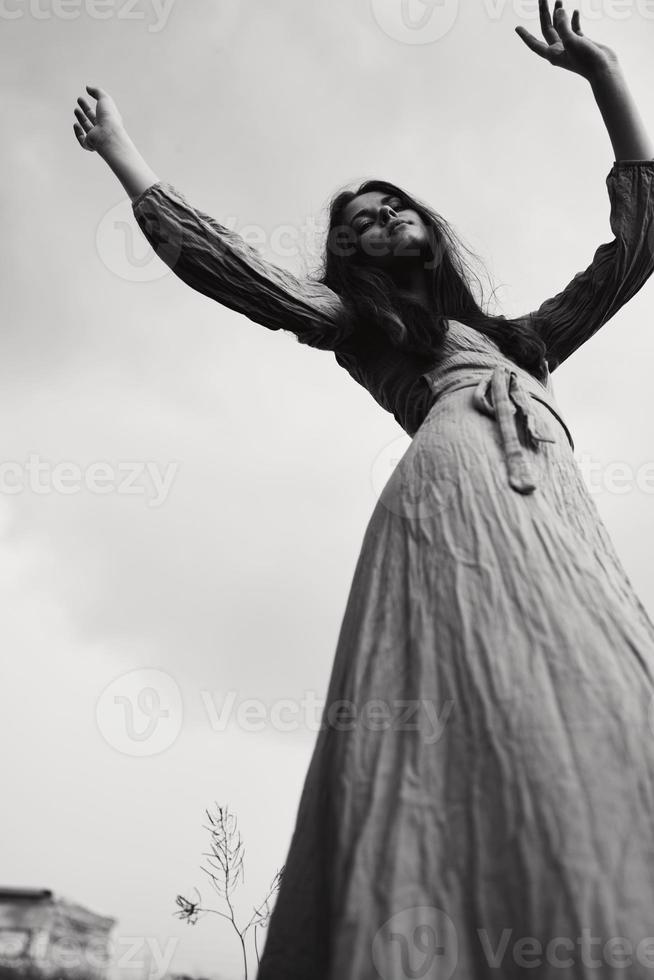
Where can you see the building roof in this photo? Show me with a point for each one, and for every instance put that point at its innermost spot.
(72, 910)
(31, 893)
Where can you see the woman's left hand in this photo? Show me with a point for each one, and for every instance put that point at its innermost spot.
(567, 47)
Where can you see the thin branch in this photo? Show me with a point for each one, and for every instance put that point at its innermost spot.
(224, 866)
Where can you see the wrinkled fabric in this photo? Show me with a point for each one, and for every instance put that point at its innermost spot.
(480, 799)
(501, 799)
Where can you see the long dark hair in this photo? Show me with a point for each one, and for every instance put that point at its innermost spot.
(372, 295)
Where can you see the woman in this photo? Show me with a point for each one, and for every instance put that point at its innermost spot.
(479, 800)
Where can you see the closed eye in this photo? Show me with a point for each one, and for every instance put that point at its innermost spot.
(395, 203)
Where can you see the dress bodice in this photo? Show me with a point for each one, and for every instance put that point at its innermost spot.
(467, 350)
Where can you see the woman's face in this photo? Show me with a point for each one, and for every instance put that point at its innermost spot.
(386, 231)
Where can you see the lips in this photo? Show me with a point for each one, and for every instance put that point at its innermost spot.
(395, 225)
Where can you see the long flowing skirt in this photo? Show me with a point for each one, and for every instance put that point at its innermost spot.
(480, 799)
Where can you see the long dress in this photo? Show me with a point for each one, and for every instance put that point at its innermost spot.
(480, 798)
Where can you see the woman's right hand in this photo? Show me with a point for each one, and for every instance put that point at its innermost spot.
(102, 129)
(96, 128)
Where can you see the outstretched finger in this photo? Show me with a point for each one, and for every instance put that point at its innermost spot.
(86, 125)
(86, 108)
(549, 33)
(576, 23)
(532, 42)
(79, 133)
(562, 25)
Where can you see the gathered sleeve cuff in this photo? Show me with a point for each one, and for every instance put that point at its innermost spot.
(617, 272)
(220, 264)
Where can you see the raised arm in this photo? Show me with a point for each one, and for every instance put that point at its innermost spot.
(102, 130)
(203, 253)
(618, 270)
(620, 267)
(566, 46)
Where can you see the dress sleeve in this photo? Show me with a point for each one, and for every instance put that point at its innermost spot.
(618, 270)
(220, 264)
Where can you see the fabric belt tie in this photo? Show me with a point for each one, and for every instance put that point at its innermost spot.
(509, 404)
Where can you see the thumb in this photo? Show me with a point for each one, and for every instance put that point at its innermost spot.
(96, 91)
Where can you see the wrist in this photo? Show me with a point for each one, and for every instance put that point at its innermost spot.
(606, 73)
(113, 143)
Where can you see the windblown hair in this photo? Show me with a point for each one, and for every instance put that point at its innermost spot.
(372, 296)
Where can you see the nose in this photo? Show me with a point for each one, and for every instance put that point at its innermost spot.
(386, 213)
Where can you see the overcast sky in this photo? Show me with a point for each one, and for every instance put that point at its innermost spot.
(242, 467)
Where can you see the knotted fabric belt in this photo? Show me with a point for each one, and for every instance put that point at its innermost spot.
(501, 394)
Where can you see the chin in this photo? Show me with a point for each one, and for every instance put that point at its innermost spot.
(407, 238)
